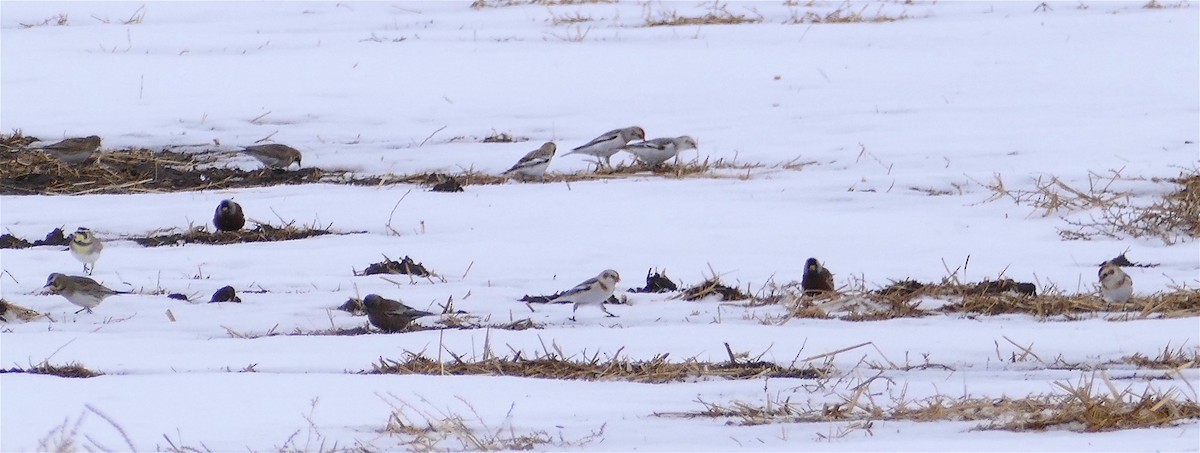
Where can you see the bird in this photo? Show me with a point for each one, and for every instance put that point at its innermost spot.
(593, 291)
(609, 143)
(86, 248)
(81, 291)
(656, 151)
(817, 279)
(390, 315)
(1115, 285)
(274, 155)
(73, 150)
(229, 216)
(534, 164)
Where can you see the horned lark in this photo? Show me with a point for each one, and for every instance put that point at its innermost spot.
(73, 150)
(86, 248)
(534, 164)
(609, 143)
(817, 279)
(1115, 285)
(593, 291)
(229, 216)
(81, 291)
(390, 315)
(655, 152)
(274, 155)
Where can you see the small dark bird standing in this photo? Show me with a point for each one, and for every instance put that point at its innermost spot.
(390, 315)
(229, 216)
(817, 279)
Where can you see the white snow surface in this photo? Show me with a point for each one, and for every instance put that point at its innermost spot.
(950, 96)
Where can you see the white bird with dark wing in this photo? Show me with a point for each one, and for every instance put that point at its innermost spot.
(534, 164)
(655, 152)
(1115, 285)
(593, 291)
(609, 143)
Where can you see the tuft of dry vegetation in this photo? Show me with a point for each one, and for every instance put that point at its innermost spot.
(9, 310)
(553, 366)
(55, 237)
(71, 370)
(711, 287)
(1078, 407)
(844, 15)
(260, 233)
(718, 14)
(431, 430)
(480, 4)
(1168, 359)
(1171, 218)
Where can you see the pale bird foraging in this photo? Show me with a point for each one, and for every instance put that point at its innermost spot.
(609, 143)
(593, 291)
(655, 152)
(81, 291)
(534, 164)
(1115, 285)
(73, 150)
(86, 248)
(274, 155)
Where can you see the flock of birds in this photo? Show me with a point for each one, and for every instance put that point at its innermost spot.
(653, 152)
(389, 315)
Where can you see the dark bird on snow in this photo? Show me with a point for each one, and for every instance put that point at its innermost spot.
(229, 216)
(390, 315)
(817, 279)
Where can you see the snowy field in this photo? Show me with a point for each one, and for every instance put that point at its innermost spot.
(901, 124)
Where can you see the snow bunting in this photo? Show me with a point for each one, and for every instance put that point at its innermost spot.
(229, 216)
(534, 164)
(655, 152)
(86, 248)
(81, 291)
(593, 291)
(1115, 284)
(817, 279)
(390, 315)
(274, 155)
(608, 143)
(73, 150)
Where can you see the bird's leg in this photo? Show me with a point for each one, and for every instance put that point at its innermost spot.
(82, 309)
(605, 310)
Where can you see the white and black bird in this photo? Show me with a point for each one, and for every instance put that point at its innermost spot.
(73, 150)
(593, 291)
(274, 155)
(655, 152)
(534, 164)
(1115, 285)
(86, 248)
(609, 143)
(81, 291)
(229, 216)
(390, 315)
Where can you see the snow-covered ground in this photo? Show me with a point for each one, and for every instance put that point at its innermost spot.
(950, 96)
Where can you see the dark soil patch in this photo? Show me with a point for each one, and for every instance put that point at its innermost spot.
(54, 237)
(261, 233)
(73, 370)
(656, 283)
(390, 266)
(711, 287)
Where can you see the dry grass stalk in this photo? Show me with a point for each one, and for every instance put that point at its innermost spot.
(1080, 407)
(71, 370)
(657, 370)
(719, 14)
(431, 430)
(261, 233)
(844, 15)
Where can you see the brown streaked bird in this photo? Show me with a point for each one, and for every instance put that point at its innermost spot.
(229, 216)
(390, 315)
(274, 155)
(1115, 285)
(817, 279)
(73, 150)
(81, 291)
(86, 248)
